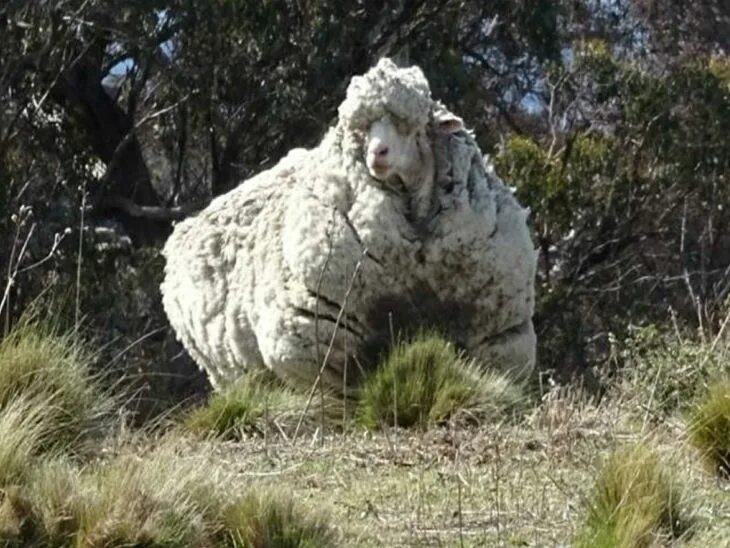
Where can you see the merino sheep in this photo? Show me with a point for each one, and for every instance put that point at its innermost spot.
(392, 222)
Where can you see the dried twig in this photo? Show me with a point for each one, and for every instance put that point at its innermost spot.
(341, 313)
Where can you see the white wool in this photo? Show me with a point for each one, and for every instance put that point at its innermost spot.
(259, 276)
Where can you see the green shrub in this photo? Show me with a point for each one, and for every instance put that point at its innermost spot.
(265, 520)
(709, 427)
(635, 501)
(427, 381)
(40, 363)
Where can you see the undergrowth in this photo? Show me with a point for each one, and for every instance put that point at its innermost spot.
(666, 370)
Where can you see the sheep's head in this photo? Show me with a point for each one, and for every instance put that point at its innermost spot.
(391, 123)
(395, 148)
(391, 110)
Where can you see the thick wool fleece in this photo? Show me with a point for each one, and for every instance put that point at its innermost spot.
(260, 276)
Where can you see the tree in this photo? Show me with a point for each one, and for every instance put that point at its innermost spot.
(118, 119)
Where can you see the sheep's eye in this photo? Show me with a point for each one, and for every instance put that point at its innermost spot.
(401, 125)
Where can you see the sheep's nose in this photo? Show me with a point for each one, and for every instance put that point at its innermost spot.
(381, 151)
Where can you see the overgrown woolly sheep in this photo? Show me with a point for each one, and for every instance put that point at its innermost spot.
(262, 274)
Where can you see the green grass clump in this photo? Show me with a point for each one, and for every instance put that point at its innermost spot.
(635, 502)
(242, 407)
(709, 427)
(46, 366)
(265, 520)
(24, 430)
(426, 381)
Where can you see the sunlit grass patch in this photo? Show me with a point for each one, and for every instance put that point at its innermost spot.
(39, 363)
(269, 520)
(156, 500)
(166, 497)
(426, 381)
(44, 510)
(245, 407)
(24, 431)
(709, 427)
(161, 498)
(635, 502)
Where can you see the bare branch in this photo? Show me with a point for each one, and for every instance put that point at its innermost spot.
(155, 213)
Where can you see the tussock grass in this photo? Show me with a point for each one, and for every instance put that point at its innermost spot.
(245, 407)
(160, 499)
(426, 381)
(709, 427)
(52, 368)
(635, 502)
(56, 500)
(24, 430)
(168, 497)
(45, 510)
(269, 520)
(444, 486)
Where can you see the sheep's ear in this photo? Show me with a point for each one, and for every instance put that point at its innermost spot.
(449, 123)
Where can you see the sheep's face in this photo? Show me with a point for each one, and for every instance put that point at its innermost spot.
(394, 149)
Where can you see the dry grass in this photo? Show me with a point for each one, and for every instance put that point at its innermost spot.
(156, 499)
(526, 481)
(709, 427)
(635, 502)
(142, 492)
(54, 369)
(169, 495)
(24, 430)
(521, 484)
(274, 520)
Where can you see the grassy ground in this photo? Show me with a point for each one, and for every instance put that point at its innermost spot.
(244, 471)
(510, 485)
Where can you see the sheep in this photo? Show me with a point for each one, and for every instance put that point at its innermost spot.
(476, 210)
(321, 254)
